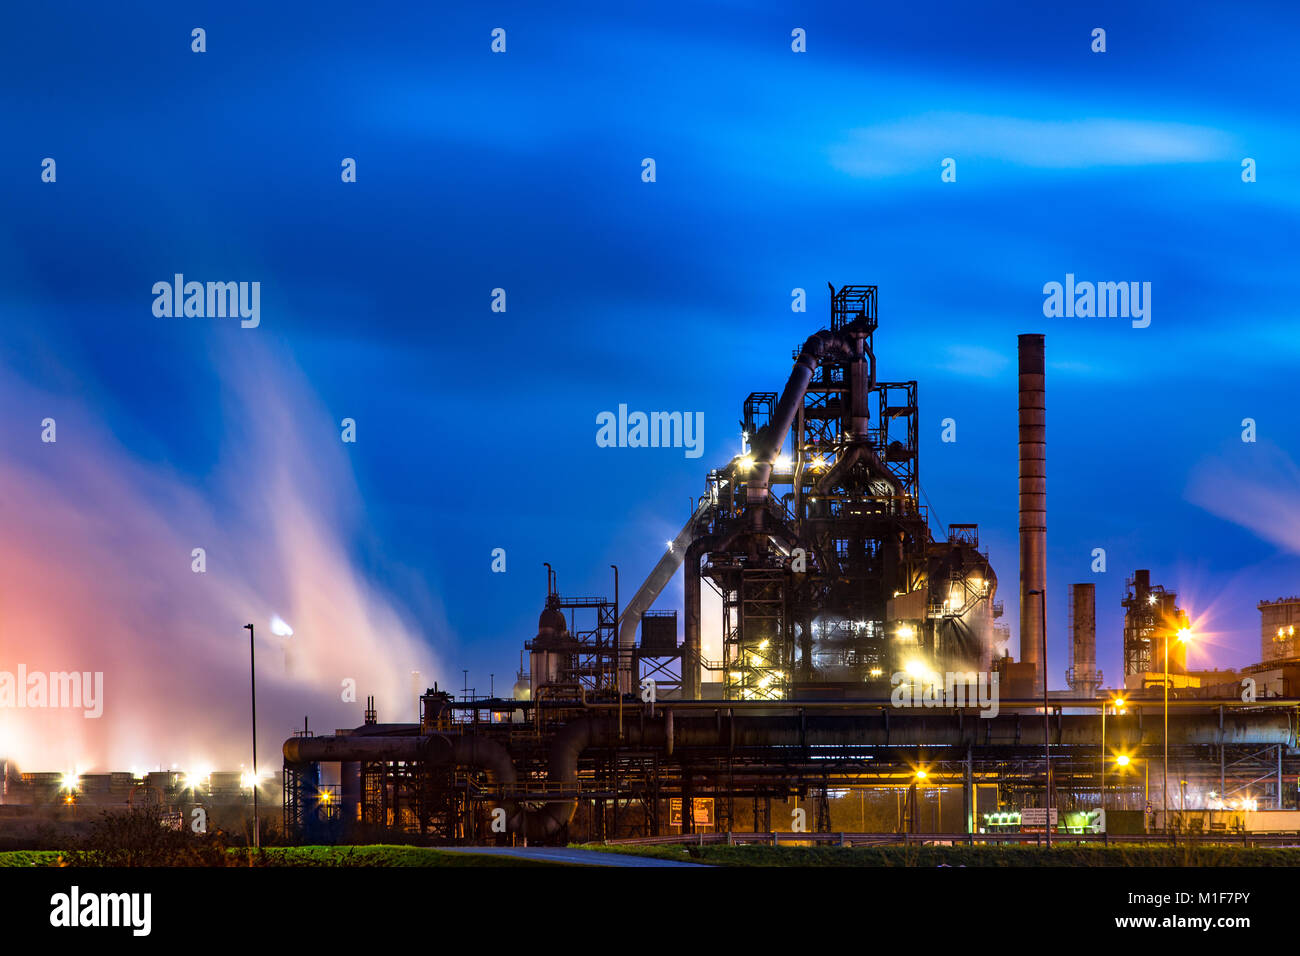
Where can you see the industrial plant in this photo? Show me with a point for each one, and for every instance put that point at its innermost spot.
(863, 681)
(835, 592)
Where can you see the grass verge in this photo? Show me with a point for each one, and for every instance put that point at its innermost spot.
(993, 856)
(363, 856)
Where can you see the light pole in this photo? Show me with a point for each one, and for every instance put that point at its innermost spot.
(1047, 720)
(1119, 709)
(1184, 634)
(252, 675)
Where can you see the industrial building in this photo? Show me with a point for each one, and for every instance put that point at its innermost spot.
(834, 586)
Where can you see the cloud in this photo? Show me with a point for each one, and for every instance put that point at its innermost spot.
(96, 575)
(920, 142)
(1258, 489)
(975, 361)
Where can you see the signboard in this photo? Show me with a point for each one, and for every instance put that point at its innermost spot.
(1036, 816)
(703, 810)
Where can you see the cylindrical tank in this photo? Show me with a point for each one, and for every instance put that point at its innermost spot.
(551, 654)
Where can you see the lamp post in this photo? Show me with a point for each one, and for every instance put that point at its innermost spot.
(1124, 762)
(1119, 709)
(1047, 720)
(1184, 634)
(252, 675)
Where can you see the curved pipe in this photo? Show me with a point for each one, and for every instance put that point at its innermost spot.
(767, 444)
(645, 596)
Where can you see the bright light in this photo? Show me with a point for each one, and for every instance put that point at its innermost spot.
(921, 775)
(325, 796)
(279, 628)
(670, 545)
(195, 779)
(907, 632)
(69, 782)
(819, 462)
(783, 462)
(1185, 634)
(762, 645)
(247, 780)
(916, 668)
(876, 672)
(1151, 599)
(1123, 760)
(746, 463)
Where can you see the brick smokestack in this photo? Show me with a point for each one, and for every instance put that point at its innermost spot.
(1033, 503)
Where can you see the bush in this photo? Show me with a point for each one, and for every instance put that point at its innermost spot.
(145, 837)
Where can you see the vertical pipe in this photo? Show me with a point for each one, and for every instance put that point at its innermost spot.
(968, 792)
(622, 656)
(691, 625)
(350, 792)
(1084, 601)
(252, 679)
(1033, 501)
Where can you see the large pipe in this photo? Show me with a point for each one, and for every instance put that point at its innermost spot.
(803, 734)
(360, 748)
(768, 443)
(1033, 503)
(651, 588)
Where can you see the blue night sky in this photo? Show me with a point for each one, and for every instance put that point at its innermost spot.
(775, 170)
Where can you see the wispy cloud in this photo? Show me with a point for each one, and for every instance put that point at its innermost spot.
(1257, 488)
(975, 361)
(918, 142)
(96, 574)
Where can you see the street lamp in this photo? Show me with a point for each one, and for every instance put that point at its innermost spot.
(1123, 762)
(1119, 704)
(1183, 636)
(1047, 720)
(252, 675)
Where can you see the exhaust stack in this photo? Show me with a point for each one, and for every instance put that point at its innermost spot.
(1083, 674)
(1033, 504)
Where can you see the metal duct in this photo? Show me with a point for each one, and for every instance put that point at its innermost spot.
(1033, 503)
(353, 748)
(767, 445)
(649, 591)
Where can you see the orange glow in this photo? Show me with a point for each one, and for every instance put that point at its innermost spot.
(96, 575)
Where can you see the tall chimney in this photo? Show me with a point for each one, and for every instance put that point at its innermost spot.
(1033, 504)
(1083, 635)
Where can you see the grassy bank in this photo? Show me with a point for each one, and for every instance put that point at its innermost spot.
(364, 856)
(931, 856)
